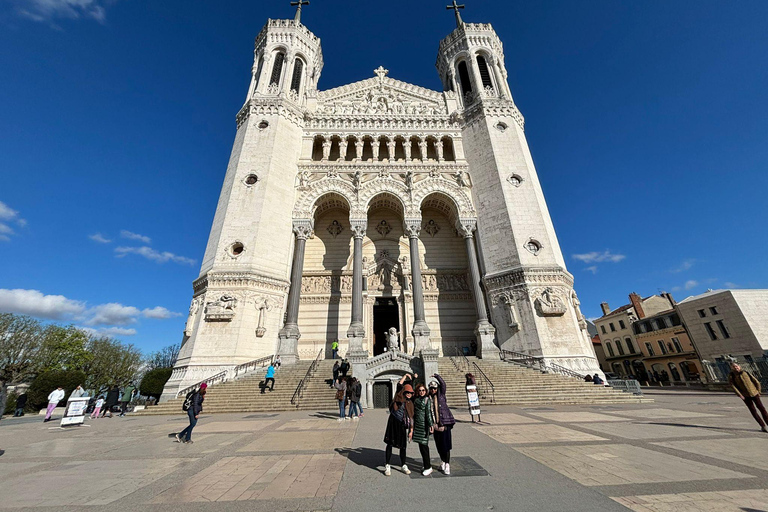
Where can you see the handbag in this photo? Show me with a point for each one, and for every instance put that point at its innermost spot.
(340, 394)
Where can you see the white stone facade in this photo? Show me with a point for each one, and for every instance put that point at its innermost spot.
(336, 191)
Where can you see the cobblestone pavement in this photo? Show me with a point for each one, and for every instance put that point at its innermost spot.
(687, 451)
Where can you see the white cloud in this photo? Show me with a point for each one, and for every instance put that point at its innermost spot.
(599, 257)
(151, 254)
(8, 216)
(729, 284)
(592, 269)
(685, 265)
(112, 314)
(110, 331)
(97, 237)
(135, 236)
(35, 303)
(159, 313)
(48, 10)
(690, 284)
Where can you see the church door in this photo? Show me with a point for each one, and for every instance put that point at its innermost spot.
(382, 395)
(385, 315)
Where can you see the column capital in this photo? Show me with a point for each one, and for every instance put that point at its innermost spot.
(302, 228)
(466, 227)
(412, 226)
(358, 227)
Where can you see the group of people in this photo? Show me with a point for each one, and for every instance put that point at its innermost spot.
(102, 406)
(348, 391)
(414, 415)
(340, 369)
(594, 379)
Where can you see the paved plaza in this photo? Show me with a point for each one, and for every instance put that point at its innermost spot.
(687, 451)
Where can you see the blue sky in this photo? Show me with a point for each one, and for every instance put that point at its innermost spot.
(646, 121)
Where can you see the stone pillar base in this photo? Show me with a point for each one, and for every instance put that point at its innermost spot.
(355, 343)
(288, 348)
(420, 337)
(486, 348)
(429, 359)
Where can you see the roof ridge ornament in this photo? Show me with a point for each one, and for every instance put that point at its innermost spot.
(381, 73)
(455, 7)
(298, 5)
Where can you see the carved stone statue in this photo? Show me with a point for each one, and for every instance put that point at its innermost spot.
(549, 304)
(393, 339)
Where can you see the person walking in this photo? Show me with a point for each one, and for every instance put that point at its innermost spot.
(334, 351)
(444, 422)
(21, 402)
(354, 388)
(399, 424)
(422, 425)
(270, 376)
(111, 401)
(748, 388)
(126, 398)
(97, 407)
(194, 410)
(341, 396)
(78, 392)
(56, 396)
(344, 368)
(335, 373)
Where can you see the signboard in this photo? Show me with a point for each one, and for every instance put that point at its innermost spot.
(474, 401)
(74, 414)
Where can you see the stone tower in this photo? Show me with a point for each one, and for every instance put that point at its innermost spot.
(530, 293)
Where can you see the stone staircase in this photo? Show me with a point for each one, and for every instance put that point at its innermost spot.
(244, 394)
(518, 385)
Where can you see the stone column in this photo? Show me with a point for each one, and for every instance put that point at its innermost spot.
(478, 81)
(356, 354)
(484, 331)
(420, 328)
(289, 335)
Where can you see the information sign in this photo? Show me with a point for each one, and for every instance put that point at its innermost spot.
(74, 414)
(474, 401)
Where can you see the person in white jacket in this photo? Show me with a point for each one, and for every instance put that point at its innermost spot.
(56, 396)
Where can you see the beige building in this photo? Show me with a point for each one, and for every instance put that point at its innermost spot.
(668, 354)
(620, 348)
(725, 323)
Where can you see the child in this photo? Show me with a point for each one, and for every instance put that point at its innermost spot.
(97, 408)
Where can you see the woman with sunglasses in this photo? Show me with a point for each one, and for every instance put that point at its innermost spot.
(400, 424)
(422, 425)
(445, 422)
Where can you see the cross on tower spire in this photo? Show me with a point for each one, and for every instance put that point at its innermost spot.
(456, 7)
(298, 5)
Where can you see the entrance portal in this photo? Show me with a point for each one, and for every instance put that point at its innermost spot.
(385, 315)
(382, 395)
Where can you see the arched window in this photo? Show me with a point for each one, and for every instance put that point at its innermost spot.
(277, 69)
(466, 85)
(630, 346)
(485, 74)
(619, 347)
(298, 67)
(258, 72)
(448, 82)
(610, 349)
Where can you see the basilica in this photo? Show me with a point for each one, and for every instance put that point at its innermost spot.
(405, 223)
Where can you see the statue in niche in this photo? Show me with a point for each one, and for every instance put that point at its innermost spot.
(393, 339)
(385, 276)
(193, 308)
(460, 181)
(577, 307)
(263, 305)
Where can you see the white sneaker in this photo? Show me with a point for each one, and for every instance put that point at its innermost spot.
(447, 469)
(340, 420)
(347, 418)
(387, 472)
(442, 466)
(427, 472)
(406, 470)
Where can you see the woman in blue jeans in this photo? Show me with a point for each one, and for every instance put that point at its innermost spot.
(341, 395)
(195, 408)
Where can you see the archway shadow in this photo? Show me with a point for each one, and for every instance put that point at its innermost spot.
(325, 415)
(707, 427)
(374, 458)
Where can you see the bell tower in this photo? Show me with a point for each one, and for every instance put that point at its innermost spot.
(530, 293)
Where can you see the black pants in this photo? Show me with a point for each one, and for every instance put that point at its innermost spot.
(266, 382)
(19, 412)
(424, 450)
(388, 455)
(754, 404)
(123, 407)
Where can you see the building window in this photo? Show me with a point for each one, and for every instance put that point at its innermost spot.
(647, 327)
(485, 75)
(298, 67)
(277, 69)
(622, 325)
(613, 327)
(609, 348)
(662, 347)
(620, 347)
(466, 85)
(258, 72)
(649, 348)
(710, 331)
(678, 346)
(675, 319)
(661, 323)
(723, 329)
(702, 313)
(630, 346)
(602, 328)
(713, 310)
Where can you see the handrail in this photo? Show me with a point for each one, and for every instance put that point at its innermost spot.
(253, 364)
(487, 380)
(300, 388)
(221, 376)
(462, 359)
(538, 363)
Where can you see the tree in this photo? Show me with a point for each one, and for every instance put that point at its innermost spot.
(20, 342)
(163, 358)
(45, 382)
(64, 348)
(153, 382)
(112, 363)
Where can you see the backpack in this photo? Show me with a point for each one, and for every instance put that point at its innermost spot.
(188, 401)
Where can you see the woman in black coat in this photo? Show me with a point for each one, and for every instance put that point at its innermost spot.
(445, 422)
(399, 424)
(113, 396)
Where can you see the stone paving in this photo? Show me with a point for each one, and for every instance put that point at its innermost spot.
(687, 451)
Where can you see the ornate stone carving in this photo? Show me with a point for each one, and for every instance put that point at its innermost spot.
(533, 246)
(549, 304)
(222, 309)
(459, 177)
(466, 227)
(263, 304)
(194, 307)
(412, 226)
(431, 227)
(335, 228)
(577, 307)
(383, 228)
(507, 302)
(515, 179)
(358, 227)
(302, 228)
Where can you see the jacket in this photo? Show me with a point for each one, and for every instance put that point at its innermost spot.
(21, 401)
(77, 393)
(270, 372)
(744, 384)
(422, 419)
(445, 417)
(112, 397)
(197, 403)
(355, 391)
(56, 396)
(342, 387)
(127, 394)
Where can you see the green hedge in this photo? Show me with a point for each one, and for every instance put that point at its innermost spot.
(153, 382)
(46, 382)
(10, 404)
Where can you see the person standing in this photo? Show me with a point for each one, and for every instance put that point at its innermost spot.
(354, 388)
(422, 426)
(97, 408)
(334, 350)
(344, 368)
(270, 376)
(335, 373)
(78, 392)
(341, 396)
(56, 396)
(399, 424)
(195, 408)
(277, 362)
(21, 402)
(126, 398)
(113, 396)
(748, 388)
(445, 422)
